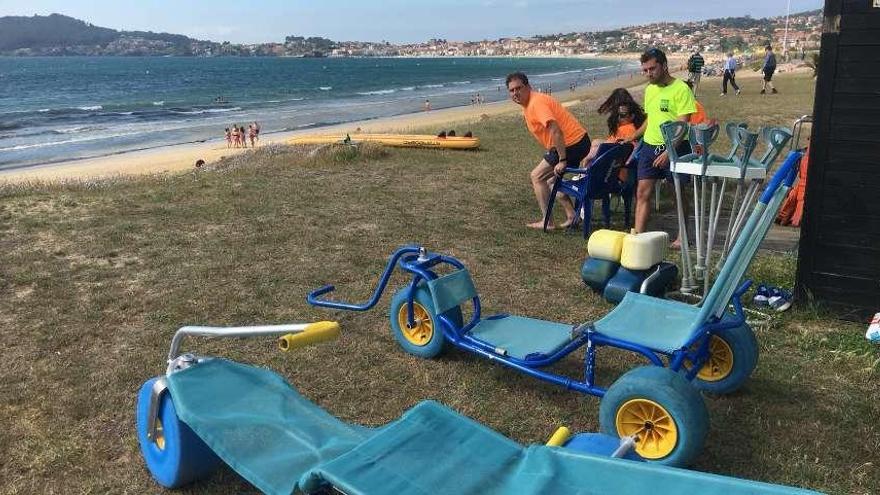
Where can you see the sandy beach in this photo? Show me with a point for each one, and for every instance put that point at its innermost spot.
(177, 158)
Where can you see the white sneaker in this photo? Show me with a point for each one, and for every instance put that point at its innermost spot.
(737, 92)
(723, 94)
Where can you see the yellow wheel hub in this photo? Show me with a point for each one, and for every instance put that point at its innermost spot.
(423, 329)
(160, 435)
(655, 431)
(720, 362)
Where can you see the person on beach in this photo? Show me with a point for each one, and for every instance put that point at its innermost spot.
(768, 69)
(729, 75)
(236, 141)
(695, 69)
(228, 138)
(257, 131)
(666, 99)
(252, 134)
(558, 132)
(427, 105)
(243, 137)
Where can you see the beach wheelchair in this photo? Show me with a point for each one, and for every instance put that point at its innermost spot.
(205, 412)
(708, 347)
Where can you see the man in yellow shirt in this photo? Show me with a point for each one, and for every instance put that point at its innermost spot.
(558, 132)
(666, 99)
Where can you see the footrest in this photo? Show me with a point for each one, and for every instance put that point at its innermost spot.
(521, 337)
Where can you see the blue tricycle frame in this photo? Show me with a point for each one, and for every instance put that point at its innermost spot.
(707, 345)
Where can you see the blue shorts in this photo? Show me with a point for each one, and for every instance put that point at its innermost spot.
(646, 168)
(573, 154)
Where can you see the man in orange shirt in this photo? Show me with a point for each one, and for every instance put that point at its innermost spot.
(556, 129)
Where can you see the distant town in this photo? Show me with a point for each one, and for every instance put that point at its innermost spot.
(63, 35)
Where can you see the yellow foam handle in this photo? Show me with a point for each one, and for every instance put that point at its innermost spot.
(559, 437)
(320, 331)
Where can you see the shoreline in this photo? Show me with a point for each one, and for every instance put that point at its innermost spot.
(181, 157)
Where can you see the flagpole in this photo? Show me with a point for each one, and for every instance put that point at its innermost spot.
(785, 37)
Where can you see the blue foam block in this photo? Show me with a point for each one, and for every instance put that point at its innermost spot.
(625, 280)
(596, 272)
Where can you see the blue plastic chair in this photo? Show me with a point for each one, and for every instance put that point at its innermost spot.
(596, 182)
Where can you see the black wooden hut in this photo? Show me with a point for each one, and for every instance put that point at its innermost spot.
(839, 255)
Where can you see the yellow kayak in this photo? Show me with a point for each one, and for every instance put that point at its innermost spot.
(396, 140)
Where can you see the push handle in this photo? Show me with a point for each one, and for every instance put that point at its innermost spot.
(313, 297)
(786, 175)
(321, 331)
(320, 292)
(559, 437)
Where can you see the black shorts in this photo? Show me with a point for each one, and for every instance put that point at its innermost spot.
(573, 154)
(647, 154)
(768, 73)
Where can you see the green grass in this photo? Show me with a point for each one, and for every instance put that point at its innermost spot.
(96, 278)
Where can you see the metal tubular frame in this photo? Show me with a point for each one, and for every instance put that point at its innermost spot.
(419, 262)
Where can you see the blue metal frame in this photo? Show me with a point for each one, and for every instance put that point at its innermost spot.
(419, 263)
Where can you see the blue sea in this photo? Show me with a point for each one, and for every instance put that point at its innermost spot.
(61, 108)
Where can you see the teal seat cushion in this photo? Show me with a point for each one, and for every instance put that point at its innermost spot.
(258, 424)
(519, 336)
(658, 324)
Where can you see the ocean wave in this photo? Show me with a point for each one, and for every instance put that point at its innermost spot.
(325, 88)
(378, 92)
(560, 73)
(459, 83)
(66, 141)
(204, 111)
(9, 126)
(158, 103)
(43, 110)
(78, 129)
(408, 88)
(431, 86)
(91, 108)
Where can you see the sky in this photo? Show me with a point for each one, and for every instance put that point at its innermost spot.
(396, 21)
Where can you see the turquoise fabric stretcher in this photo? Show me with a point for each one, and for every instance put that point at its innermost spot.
(280, 441)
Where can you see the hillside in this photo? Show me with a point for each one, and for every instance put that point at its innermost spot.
(58, 34)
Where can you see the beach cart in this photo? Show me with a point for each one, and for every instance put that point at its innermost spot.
(205, 412)
(689, 348)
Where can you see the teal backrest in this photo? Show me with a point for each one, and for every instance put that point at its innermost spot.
(449, 291)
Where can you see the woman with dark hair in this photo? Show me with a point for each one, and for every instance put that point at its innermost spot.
(619, 99)
(625, 115)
